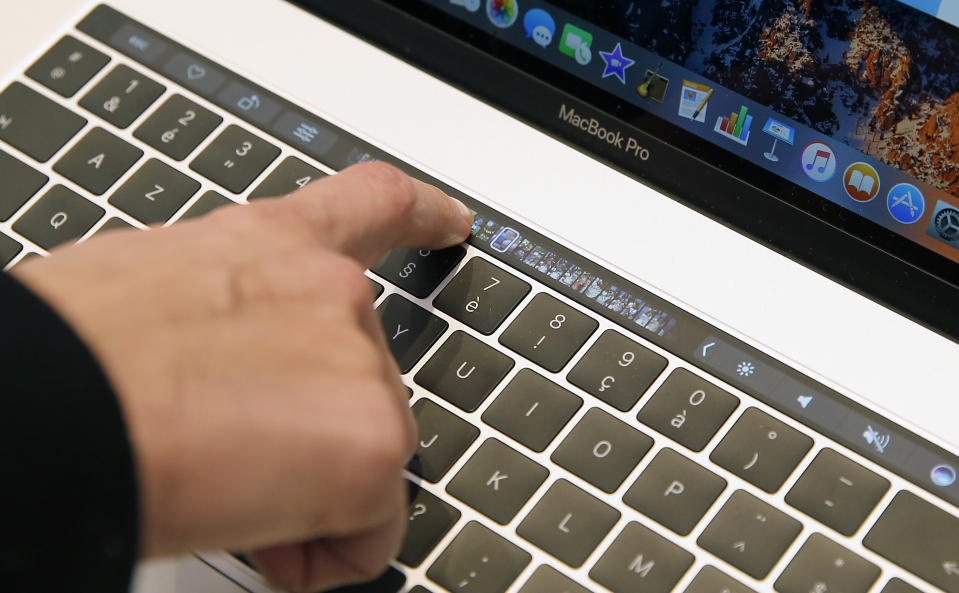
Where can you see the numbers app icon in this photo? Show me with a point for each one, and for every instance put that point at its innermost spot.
(818, 161)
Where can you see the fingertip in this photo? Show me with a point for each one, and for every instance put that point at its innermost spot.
(466, 217)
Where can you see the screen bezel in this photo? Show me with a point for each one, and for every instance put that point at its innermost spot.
(853, 251)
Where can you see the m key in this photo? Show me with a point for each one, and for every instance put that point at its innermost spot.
(641, 560)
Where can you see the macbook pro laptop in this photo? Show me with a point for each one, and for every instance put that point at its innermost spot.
(703, 335)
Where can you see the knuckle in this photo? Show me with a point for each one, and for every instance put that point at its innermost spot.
(350, 279)
(395, 187)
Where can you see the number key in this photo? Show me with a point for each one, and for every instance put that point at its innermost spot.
(481, 295)
(178, 127)
(235, 159)
(418, 271)
(688, 409)
(291, 175)
(548, 332)
(617, 370)
(122, 96)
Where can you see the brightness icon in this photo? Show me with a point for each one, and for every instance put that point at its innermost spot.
(745, 369)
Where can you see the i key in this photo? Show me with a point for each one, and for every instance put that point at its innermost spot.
(617, 370)
(418, 271)
(548, 332)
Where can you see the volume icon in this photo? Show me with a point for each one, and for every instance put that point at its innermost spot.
(804, 400)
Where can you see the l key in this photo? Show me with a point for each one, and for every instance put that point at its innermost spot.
(410, 330)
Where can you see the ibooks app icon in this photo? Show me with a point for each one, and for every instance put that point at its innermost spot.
(861, 182)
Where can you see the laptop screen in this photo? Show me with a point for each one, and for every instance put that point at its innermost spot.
(847, 109)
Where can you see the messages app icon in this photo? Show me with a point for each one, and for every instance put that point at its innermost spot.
(576, 43)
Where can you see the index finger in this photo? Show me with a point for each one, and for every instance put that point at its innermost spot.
(372, 208)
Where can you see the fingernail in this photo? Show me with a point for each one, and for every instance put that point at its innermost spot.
(464, 209)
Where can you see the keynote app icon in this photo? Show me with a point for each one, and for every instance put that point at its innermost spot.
(818, 161)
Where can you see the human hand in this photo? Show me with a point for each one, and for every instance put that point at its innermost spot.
(264, 408)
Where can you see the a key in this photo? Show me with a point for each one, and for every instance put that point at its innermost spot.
(532, 410)
(547, 579)
(391, 581)
(478, 561)
(712, 580)
(207, 203)
(688, 409)
(122, 96)
(919, 537)
(497, 481)
(154, 192)
(9, 249)
(837, 492)
(418, 271)
(464, 371)
(481, 295)
(823, 565)
(568, 523)
(617, 370)
(749, 534)
(289, 176)
(548, 332)
(761, 450)
(443, 438)
(675, 491)
(34, 124)
(410, 330)
(641, 560)
(235, 158)
(67, 66)
(20, 183)
(177, 127)
(429, 520)
(114, 224)
(602, 450)
(898, 585)
(97, 161)
(60, 216)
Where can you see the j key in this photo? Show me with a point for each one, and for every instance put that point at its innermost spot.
(97, 161)
(617, 370)
(122, 96)
(497, 481)
(899, 586)
(568, 523)
(478, 561)
(675, 491)
(548, 332)
(712, 580)
(481, 295)
(919, 537)
(9, 249)
(443, 438)
(749, 534)
(532, 410)
(67, 66)
(641, 560)
(837, 492)
(178, 127)
(547, 579)
(418, 271)
(289, 176)
(20, 183)
(235, 159)
(60, 216)
(464, 371)
(429, 520)
(154, 192)
(410, 330)
(602, 450)
(207, 203)
(391, 581)
(822, 565)
(34, 124)
(761, 450)
(688, 409)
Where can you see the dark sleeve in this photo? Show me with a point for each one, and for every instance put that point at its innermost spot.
(68, 492)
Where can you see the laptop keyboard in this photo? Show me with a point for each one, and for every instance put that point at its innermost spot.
(557, 451)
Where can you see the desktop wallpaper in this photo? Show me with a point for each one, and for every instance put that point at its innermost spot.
(875, 74)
